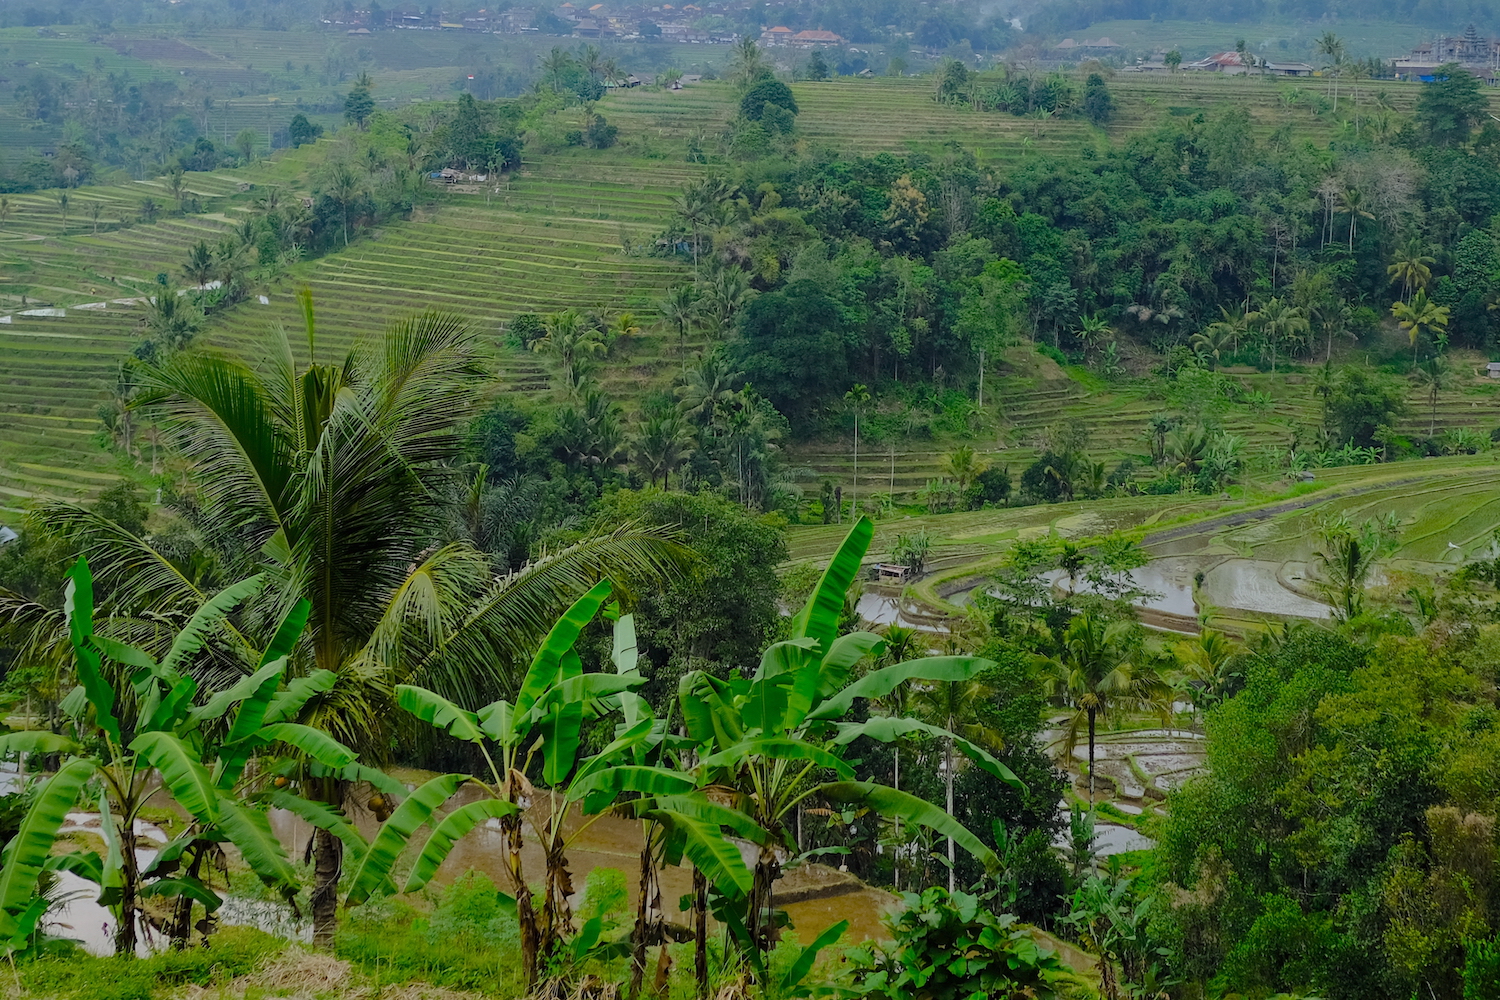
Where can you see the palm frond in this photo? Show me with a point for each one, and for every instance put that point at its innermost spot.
(486, 653)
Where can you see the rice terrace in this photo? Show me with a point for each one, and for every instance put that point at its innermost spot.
(750, 502)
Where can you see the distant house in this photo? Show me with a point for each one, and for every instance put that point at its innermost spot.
(1493, 369)
(778, 35)
(1288, 69)
(587, 27)
(807, 39)
(1228, 63)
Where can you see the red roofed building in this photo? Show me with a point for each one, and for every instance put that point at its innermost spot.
(807, 39)
(778, 35)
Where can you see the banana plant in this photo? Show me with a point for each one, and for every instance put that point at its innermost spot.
(776, 736)
(673, 827)
(134, 717)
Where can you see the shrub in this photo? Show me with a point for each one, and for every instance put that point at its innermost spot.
(951, 946)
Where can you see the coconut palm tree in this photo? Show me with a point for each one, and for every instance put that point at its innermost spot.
(963, 466)
(1351, 203)
(856, 399)
(706, 387)
(1412, 267)
(1096, 675)
(569, 340)
(1420, 315)
(662, 444)
(1279, 323)
(957, 708)
(1213, 342)
(334, 480)
(679, 309)
(1433, 377)
(1207, 665)
(7, 209)
(1332, 46)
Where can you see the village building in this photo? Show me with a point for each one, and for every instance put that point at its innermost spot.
(1472, 51)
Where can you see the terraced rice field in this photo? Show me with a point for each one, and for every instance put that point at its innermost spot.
(552, 237)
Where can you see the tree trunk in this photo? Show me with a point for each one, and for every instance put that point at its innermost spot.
(557, 912)
(647, 913)
(130, 878)
(948, 768)
(510, 826)
(896, 861)
(700, 931)
(1091, 758)
(327, 861)
(763, 932)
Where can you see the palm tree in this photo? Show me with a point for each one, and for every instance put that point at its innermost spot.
(7, 209)
(1278, 323)
(1351, 203)
(334, 481)
(1412, 266)
(963, 466)
(856, 399)
(1435, 376)
(343, 188)
(663, 443)
(1213, 342)
(1420, 315)
(62, 205)
(1157, 427)
(957, 708)
(1207, 664)
(725, 294)
(1186, 449)
(568, 340)
(177, 184)
(706, 387)
(748, 62)
(95, 210)
(680, 309)
(1332, 46)
(1096, 675)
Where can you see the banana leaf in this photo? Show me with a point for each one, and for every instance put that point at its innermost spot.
(288, 632)
(819, 619)
(447, 833)
(879, 683)
(888, 729)
(435, 710)
(182, 772)
(899, 805)
(78, 605)
(375, 869)
(809, 955)
(26, 854)
(779, 748)
(37, 741)
(190, 640)
(546, 665)
(253, 708)
(286, 703)
(183, 885)
(241, 689)
(249, 829)
(323, 817)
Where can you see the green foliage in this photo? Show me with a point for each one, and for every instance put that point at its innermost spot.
(235, 951)
(1450, 107)
(951, 947)
(767, 92)
(725, 609)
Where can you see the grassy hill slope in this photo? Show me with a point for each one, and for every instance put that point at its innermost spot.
(555, 236)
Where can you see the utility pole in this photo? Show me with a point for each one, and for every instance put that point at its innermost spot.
(981, 378)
